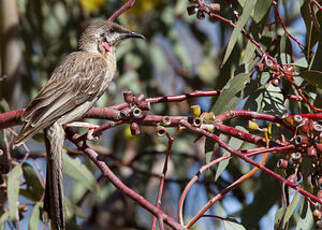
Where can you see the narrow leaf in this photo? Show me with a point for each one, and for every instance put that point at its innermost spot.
(261, 9)
(234, 143)
(250, 4)
(14, 177)
(3, 220)
(34, 185)
(249, 52)
(290, 209)
(78, 171)
(34, 218)
(222, 166)
(306, 221)
(279, 217)
(314, 77)
(231, 225)
(226, 100)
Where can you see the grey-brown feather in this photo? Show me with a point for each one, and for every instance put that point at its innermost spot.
(53, 201)
(73, 88)
(87, 77)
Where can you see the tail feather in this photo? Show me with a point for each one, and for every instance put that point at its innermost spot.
(26, 133)
(53, 203)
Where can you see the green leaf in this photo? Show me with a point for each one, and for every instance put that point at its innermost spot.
(227, 99)
(72, 210)
(250, 4)
(34, 185)
(314, 77)
(78, 171)
(314, 74)
(14, 178)
(249, 52)
(34, 218)
(307, 15)
(301, 63)
(290, 209)
(209, 149)
(234, 143)
(279, 217)
(261, 9)
(306, 220)
(208, 70)
(158, 59)
(3, 220)
(133, 60)
(222, 166)
(130, 80)
(232, 225)
(274, 100)
(264, 184)
(78, 192)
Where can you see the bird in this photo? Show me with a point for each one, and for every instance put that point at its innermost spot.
(74, 86)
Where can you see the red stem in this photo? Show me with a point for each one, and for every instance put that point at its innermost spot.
(317, 4)
(284, 26)
(245, 158)
(81, 145)
(265, 54)
(120, 11)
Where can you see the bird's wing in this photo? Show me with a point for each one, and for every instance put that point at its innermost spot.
(76, 80)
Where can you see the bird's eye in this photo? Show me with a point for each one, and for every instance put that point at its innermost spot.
(111, 31)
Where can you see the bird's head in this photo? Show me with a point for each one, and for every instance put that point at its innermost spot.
(104, 37)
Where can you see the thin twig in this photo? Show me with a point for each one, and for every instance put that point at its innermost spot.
(164, 171)
(120, 11)
(81, 145)
(245, 158)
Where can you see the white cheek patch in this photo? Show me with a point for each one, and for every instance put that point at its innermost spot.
(111, 37)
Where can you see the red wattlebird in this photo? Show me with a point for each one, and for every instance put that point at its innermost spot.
(74, 86)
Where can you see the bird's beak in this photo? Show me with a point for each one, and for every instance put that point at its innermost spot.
(130, 35)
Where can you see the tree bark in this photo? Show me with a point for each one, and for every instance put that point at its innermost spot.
(11, 54)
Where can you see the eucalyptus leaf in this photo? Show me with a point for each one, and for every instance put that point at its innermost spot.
(250, 4)
(306, 220)
(279, 217)
(14, 178)
(232, 225)
(234, 143)
(207, 70)
(261, 9)
(3, 220)
(227, 100)
(314, 77)
(222, 166)
(314, 74)
(249, 52)
(274, 100)
(34, 185)
(75, 169)
(35, 216)
(290, 209)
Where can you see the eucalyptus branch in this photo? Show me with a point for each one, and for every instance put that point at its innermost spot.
(245, 158)
(81, 145)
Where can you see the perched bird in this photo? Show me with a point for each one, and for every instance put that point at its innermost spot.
(74, 86)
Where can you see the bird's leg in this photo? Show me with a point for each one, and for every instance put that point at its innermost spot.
(91, 128)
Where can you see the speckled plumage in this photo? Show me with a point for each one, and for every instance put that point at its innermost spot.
(74, 86)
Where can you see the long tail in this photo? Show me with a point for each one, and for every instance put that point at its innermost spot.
(54, 193)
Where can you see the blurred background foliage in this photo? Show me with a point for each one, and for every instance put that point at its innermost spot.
(181, 54)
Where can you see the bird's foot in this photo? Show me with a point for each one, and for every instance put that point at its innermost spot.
(91, 136)
(91, 128)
